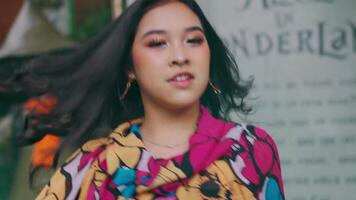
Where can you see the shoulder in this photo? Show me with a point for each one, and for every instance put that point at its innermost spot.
(91, 149)
(251, 136)
(72, 177)
(255, 160)
(257, 143)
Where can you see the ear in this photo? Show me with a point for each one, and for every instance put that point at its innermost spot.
(131, 75)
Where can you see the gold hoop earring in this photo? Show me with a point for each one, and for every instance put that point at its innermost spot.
(128, 85)
(215, 89)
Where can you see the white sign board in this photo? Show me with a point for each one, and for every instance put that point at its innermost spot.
(302, 54)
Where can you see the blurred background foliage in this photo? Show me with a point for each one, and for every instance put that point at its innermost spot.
(48, 3)
(73, 22)
(90, 19)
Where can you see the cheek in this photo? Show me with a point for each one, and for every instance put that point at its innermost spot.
(207, 55)
(206, 63)
(146, 66)
(203, 53)
(202, 58)
(145, 61)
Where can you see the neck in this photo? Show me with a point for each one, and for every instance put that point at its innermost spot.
(169, 126)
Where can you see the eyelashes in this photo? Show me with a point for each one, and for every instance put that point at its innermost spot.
(196, 40)
(155, 43)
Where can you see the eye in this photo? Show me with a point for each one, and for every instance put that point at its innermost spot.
(156, 43)
(196, 41)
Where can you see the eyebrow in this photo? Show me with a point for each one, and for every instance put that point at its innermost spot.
(187, 30)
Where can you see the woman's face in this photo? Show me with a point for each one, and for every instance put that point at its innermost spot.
(171, 56)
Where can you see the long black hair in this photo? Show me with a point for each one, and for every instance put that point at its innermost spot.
(88, 81)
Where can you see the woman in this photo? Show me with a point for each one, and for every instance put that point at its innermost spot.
(161, 68)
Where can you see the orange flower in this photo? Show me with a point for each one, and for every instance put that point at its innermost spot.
(40, 105)
(44, 151)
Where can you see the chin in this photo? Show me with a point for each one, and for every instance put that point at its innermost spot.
(181, 103)
(177, 100)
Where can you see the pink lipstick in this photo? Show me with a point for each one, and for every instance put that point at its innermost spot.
(183, 79)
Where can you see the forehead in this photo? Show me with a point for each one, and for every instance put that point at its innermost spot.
(172, 16)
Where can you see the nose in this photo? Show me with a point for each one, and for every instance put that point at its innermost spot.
(179, 56)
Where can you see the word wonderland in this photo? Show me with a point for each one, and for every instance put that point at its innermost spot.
(336, 41)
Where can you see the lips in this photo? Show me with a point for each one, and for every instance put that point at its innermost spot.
(182, 79)
(184, 76)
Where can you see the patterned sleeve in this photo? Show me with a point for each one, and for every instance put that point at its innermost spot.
(69, 179)
(256, 163)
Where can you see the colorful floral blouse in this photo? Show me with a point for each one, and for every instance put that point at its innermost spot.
(225, 160)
